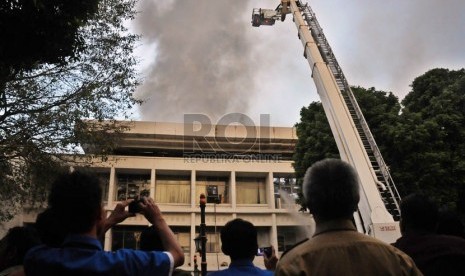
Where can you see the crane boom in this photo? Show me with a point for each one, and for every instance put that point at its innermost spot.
(378, 208)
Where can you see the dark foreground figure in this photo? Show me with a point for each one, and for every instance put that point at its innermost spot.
(433, 254)
(13, 248)
(239, 242)
(331, 190)
(76, 201)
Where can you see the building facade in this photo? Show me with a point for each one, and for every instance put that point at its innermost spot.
(245, 172)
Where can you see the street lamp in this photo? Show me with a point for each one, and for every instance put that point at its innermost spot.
(198, 248)
(198, 244)
(203, 237)
(196, 267)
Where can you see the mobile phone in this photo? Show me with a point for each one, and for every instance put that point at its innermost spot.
(134, 206)
(264, 251)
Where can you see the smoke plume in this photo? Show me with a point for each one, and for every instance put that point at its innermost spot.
(201, 62)
(386, 44)
(203, 56)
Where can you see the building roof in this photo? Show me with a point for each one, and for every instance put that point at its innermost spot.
(178, 139)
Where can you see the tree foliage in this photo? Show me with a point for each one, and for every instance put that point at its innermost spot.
(43, 110)
(41, 31)
(316, 141)
(430, 142)
(423, 142)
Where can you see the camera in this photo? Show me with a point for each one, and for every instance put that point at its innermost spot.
(264, 251)
(134, 207)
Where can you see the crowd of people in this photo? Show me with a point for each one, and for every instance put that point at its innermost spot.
(66, 238)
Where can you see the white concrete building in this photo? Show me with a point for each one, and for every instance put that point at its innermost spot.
(249, 169)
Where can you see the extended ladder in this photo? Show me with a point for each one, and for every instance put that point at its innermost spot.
(386, 186)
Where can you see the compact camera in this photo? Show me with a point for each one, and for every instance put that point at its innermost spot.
(134, 207)
(264, 251)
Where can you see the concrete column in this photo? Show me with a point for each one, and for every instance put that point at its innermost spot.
(232, 181)
(108, 240)
(111, 188)
(152, 183)
(193, 192)
(110, 202)
(270, 190)
(193, 249)
(274, 233)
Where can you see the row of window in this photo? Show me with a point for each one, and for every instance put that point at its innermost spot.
(177, 188)
(130, 237)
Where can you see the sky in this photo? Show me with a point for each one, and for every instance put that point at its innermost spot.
(203, 56)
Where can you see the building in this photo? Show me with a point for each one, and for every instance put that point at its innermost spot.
(247, 171)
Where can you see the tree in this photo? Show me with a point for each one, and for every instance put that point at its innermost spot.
(423, 143)
(43, 110)
(41, 31)
(430, 142)
(381, 111)
(316, 141)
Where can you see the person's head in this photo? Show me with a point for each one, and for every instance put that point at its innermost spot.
(331, 190)
(76, 200)
(239, 239)
(150, 240)
(50, 228)
(418, 214)
(15, 244)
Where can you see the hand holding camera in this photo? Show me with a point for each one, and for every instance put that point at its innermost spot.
(269, 258)
(264, 251)
(147, 207)
(134, 207)
(118, 215)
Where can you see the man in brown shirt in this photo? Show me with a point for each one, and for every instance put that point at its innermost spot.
(331, 190)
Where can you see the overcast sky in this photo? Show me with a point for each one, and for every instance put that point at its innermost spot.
(203, 56)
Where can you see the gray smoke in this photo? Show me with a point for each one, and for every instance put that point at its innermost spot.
(210, 60)
(201, 63)
(386, 44)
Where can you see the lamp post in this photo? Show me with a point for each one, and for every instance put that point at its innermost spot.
(196, 267)
(203, 237)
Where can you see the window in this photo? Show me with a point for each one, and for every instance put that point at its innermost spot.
(213, 242)
(286, 191)
(131, 185)
(104, 178)
(290, 235)
(183, 236)
(173, 189)
(126, 237)
(213, 239)
(250, 190)
(212, 185)
(129, 237)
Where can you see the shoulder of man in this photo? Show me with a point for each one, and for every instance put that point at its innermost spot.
(223, 272)
(148, 261)
(263, 272)
(292, 247)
